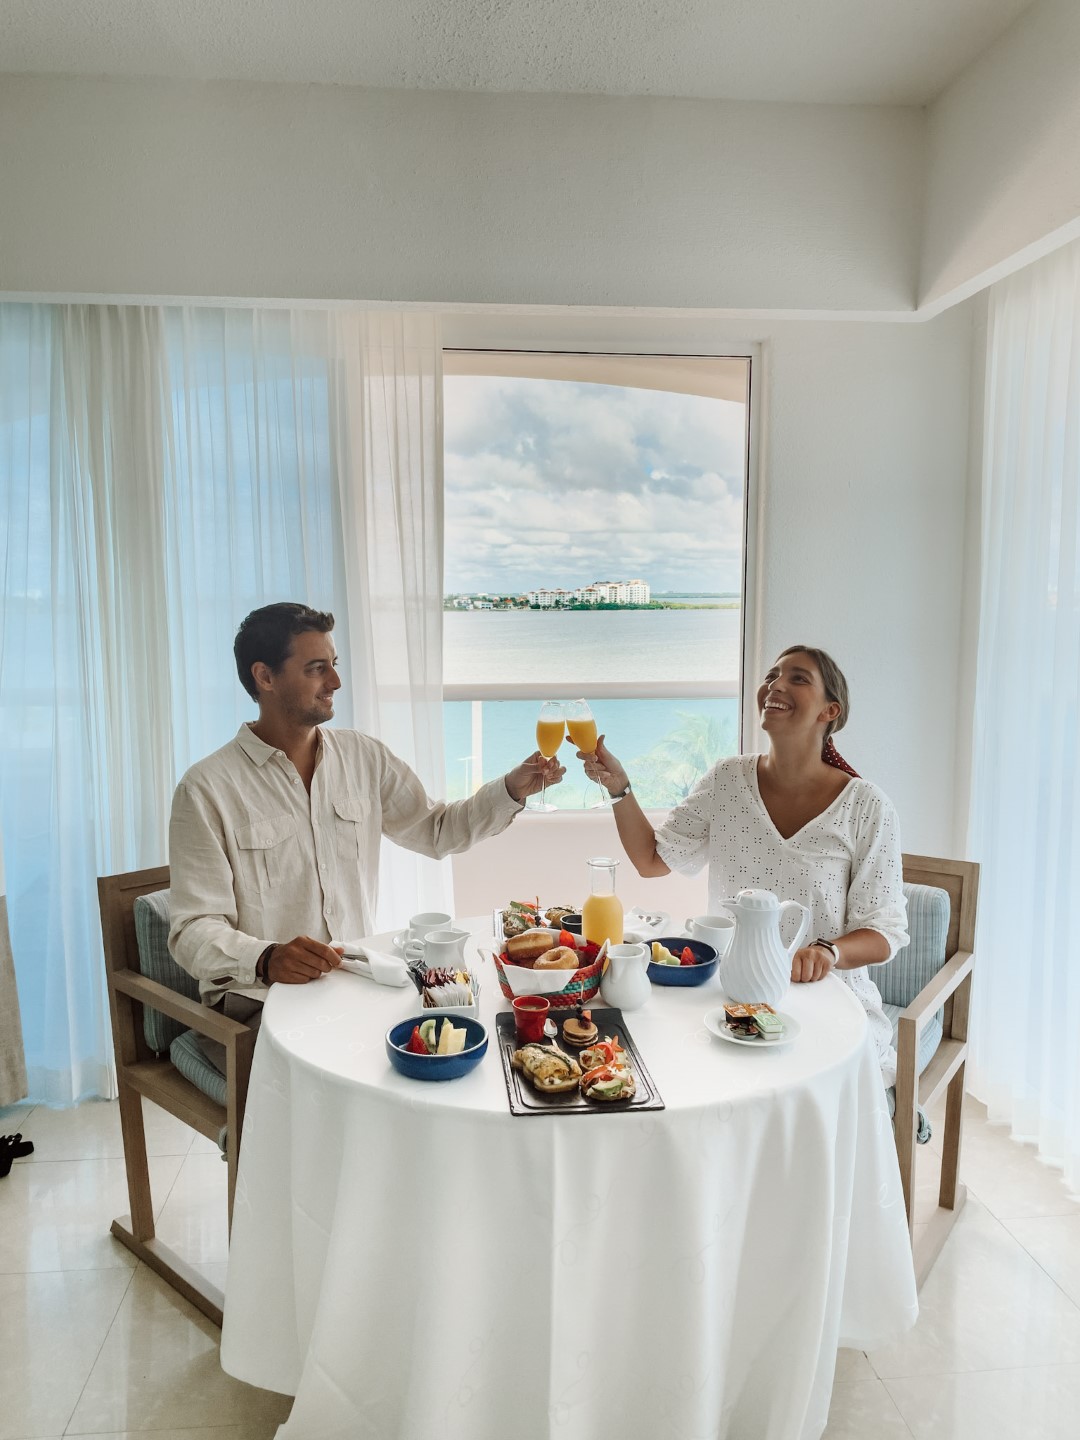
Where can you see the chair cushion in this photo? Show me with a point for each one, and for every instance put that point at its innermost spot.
(155, 962)
(901, 978)
(929, 1040)
(186, 1054)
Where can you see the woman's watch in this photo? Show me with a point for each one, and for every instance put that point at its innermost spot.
(832, 949)
(621, 795)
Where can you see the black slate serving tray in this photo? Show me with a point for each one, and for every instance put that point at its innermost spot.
(524, 1100)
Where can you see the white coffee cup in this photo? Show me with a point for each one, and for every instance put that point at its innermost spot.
(715, 930)
(420, 925)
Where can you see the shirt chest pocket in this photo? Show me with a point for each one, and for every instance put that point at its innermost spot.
(349, 818)
(269, 851)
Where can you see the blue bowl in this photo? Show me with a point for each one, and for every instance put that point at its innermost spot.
(705, 963)
(436, 1067)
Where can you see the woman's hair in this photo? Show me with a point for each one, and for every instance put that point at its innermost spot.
(267, 635)
(832, 677)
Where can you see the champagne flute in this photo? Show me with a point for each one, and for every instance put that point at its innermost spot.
(550, 730)
(582, 729)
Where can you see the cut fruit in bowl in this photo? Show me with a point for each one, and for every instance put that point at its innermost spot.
(679, 961)
(436, 1047)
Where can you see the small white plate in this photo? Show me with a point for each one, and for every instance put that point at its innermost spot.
(714, 1023)
(399, 940)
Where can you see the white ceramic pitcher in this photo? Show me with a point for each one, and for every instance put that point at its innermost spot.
(625, 980)
(757, 967)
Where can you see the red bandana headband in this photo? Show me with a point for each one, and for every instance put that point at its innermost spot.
(832, 756)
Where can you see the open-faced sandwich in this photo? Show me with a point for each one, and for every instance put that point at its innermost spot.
(608, 1051)
(607, 1075)
(547, 1069)
(608, 1082)
(521, 915)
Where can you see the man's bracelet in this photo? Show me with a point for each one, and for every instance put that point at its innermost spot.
(262, 965)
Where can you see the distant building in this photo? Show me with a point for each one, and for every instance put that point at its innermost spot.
(615, 592)
(548, 599)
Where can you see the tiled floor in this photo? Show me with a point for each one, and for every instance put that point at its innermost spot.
(92, 1343)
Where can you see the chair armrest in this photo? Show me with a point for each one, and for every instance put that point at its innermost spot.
(178, 1007)
(937, 990)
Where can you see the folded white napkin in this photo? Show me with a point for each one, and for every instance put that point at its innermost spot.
(535, 982)
(361, 957)
(648, 922)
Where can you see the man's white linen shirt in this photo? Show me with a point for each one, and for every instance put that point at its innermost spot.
(255, 859)
(845, 865)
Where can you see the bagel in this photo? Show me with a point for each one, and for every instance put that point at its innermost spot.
(561, 958)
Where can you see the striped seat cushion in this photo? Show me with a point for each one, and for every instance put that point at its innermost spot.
(901, 978)
(155, 962)
(929, 1040)
(186, 1054)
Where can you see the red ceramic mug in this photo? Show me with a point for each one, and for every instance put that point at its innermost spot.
(530, 1015)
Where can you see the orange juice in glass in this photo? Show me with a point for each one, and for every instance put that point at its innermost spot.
(581, 727)
(550, 729)
(583, 734)
(602, 913)
(549, 736)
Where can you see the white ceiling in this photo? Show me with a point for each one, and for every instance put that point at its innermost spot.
(839, 51)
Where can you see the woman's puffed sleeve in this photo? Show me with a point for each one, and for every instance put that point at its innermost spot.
(876, 892)
(682, 842)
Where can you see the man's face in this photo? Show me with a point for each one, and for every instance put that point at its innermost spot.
(302, 691)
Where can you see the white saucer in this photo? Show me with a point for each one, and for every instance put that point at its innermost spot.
(399, 940)
(714, 1023)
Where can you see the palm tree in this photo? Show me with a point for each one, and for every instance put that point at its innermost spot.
(668, 772)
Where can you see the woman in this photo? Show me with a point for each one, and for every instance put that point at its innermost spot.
(796, 820)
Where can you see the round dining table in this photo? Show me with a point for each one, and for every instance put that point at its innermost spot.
(410, 1259)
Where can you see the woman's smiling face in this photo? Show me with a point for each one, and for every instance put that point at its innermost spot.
(792, 696)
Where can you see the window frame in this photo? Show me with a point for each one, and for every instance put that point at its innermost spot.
(753, 505)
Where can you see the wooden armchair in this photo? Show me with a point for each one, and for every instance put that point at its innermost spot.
(142, 1009)
(928, 987)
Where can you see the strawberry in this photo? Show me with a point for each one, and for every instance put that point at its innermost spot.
(687, 956)
(416, 1044)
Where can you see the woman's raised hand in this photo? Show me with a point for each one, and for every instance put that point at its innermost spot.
(602, 766)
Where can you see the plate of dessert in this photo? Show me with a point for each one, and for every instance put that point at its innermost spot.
(752, 1024)
(590, 1066)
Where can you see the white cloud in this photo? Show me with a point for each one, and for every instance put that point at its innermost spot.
(560, 482)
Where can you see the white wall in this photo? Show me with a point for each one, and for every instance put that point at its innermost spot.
(151, 187)
(1003, 168)
(864, 495)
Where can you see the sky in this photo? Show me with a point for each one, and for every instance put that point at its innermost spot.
(562, 482)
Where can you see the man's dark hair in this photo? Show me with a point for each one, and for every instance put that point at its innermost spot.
(267, 635)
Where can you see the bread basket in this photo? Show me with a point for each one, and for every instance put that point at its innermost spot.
(581, 985)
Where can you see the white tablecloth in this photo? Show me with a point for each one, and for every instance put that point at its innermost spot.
(412, 1261)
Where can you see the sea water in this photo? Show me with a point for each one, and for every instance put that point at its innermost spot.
(665, 744)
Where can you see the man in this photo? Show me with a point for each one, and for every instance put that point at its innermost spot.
(276, 835)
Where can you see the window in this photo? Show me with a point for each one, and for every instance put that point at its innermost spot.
(595, 547)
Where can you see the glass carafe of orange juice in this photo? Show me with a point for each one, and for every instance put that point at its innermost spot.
(602, 913)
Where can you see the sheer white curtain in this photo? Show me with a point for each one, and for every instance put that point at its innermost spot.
(305, 463)
(86, 759)
(163, 472)
(388, 440)
(1026, 777)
